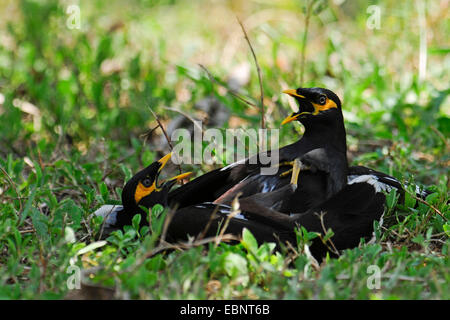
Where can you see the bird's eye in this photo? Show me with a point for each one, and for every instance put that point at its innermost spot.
(147, 182)
(322, 99)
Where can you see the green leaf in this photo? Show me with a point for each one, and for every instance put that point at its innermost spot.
(446, 227)
(104, 191)
(248, 241)
(328, 235)
(40, 223)
(235, 265)
(410, 202)
(431, 198)
(136, 221)
(391, 198)
(157, 209)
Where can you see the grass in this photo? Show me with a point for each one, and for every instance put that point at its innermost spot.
(74, 108)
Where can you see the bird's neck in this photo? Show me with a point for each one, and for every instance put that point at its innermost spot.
(326, 134)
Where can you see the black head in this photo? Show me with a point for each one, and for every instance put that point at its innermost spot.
(144, 189)
(315, 104)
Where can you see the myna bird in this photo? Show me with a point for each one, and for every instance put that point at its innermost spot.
(350, 214)
(322, 147)
(327, 193)
(320, 113)
(143, 190)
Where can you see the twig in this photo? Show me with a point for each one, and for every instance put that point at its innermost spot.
(441, 136)
(208, 225)
(167, 221)
(179, 246)
(235, 210)
(336, 251)
(15, 190)
(291, 256)
(305, 38)
(257, 70)
(165, 134)
(232, 92)
(195, 123)
(427, 204)
(162, 127)
(187, 116)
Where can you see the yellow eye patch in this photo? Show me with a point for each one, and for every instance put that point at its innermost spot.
(322, 107)
(142, 191)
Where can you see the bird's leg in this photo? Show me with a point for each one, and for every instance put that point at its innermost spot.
(299, 164)
(284, 163)
(286, 173)
(295, 172)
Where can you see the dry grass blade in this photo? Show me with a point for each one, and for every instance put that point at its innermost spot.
(162, 127)
(15, 190)
(167, 221)
(305, 38)
(235, 210)
(232, 92)
(195, 122)
(322, 223)
(176, 246)
(427, 204)
(165, 134)
(258, 70)
(208, 225)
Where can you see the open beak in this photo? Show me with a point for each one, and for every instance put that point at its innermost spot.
(294, 116)
(172, 181)
(293, 93)
(157, 185)
(291, 118)
(181, 176)
(164, 161)
(177, 178)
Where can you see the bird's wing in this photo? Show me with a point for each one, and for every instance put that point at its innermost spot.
(350, 214)
(384, 181)
(212, 185)
(204, 221)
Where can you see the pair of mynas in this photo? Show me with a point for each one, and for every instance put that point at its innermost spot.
(314, 188)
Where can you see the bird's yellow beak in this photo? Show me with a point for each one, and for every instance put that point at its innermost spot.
(164, 161)
(181, 176)
(291, 118)
(293, 93)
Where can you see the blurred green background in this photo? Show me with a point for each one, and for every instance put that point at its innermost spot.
(83, 87)
(75, 122)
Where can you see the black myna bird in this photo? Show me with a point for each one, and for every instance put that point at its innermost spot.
(350, 198)
(322, 147)
(143, 189)
(320, 113)
(350, 214)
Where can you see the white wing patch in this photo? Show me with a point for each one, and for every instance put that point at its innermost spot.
(106, 209)
(109, 213)
(370, 179)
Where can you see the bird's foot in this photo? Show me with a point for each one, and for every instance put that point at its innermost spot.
(295, 172)
(296, 163)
